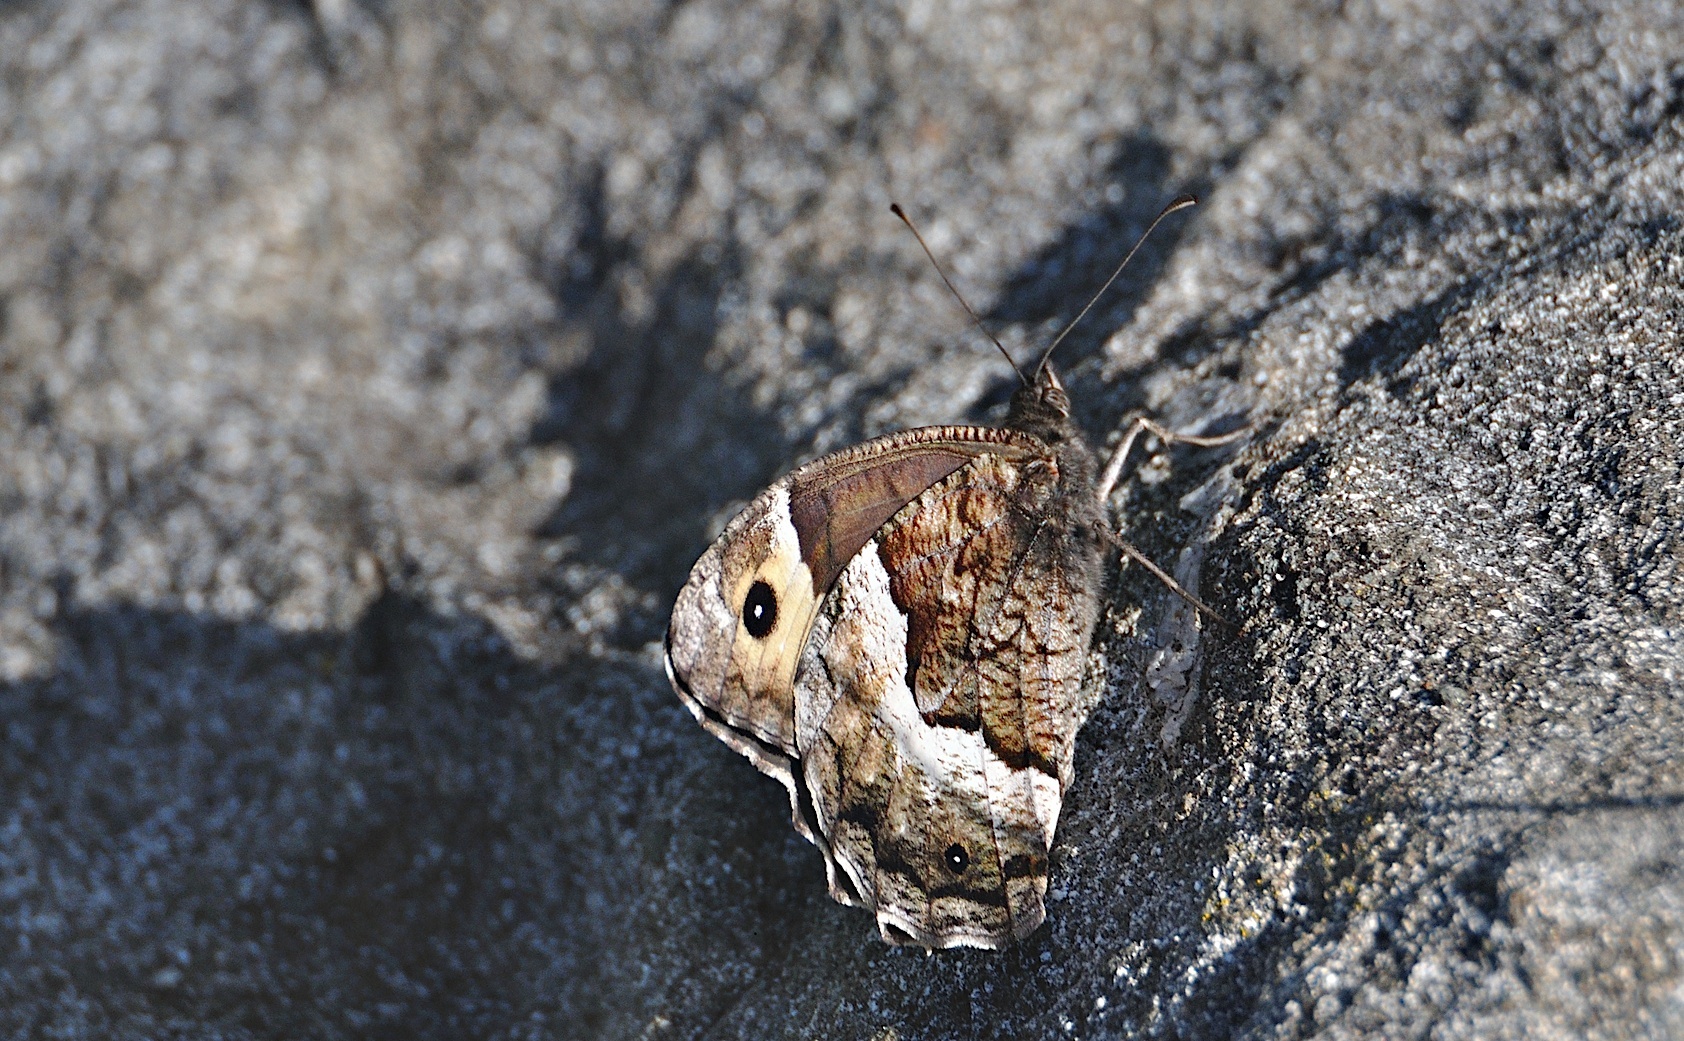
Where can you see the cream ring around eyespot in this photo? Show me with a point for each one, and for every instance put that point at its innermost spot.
(766, 664)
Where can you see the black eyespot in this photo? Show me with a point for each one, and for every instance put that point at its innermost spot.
(760, 610)
(956, 859)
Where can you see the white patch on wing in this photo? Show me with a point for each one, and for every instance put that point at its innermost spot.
(855, 661)
(947, 755)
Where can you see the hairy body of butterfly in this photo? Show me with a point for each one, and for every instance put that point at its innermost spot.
(898, 633)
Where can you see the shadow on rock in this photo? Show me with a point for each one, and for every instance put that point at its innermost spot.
(662, 440)
(1386, 344)
(1050, 289)
(402, 830)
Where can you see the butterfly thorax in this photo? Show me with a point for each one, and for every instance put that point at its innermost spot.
(1041, 408)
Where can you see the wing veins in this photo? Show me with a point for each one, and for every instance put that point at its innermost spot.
(970, 667)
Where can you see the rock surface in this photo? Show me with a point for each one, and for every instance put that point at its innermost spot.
(371, 374)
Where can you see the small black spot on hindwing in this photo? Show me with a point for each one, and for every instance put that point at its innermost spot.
(1025, 865)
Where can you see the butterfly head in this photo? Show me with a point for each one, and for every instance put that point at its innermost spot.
(1041, 407)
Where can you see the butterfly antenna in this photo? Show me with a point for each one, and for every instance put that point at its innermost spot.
(894, 208)
(1180, 202)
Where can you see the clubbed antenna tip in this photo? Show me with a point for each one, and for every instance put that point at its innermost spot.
(1180, 202)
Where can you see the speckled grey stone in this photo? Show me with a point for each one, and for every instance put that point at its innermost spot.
(370, 375)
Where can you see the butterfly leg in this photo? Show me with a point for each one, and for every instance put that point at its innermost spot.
(1142, 425)
(1161, 575)
(1114, 469)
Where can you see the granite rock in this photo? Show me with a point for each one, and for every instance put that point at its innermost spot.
(371, 374)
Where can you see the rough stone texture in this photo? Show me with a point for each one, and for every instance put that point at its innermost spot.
(370, 375)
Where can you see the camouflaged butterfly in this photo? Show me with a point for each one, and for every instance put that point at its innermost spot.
(898, 633)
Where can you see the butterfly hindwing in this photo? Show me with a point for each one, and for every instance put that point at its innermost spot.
(932, 705)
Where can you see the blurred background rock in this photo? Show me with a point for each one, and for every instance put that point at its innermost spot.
(371, 373)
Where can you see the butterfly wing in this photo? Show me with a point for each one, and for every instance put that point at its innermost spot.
(938, 699)
(745, 613)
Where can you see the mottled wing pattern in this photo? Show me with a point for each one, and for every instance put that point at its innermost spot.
(992, 579)
(934, 719)
(795, 539)
(737, 686)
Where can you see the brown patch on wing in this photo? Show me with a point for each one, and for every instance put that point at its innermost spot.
(894, 798)
(839, 502)
(949, 557)
(1036, 637)
(999, 612)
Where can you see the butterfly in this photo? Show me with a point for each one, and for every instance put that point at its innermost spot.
(898, 632)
